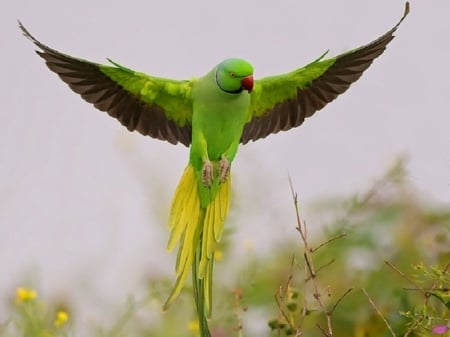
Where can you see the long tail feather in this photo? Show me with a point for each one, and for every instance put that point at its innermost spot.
(186, 217)
(197, 230)
(198, 295)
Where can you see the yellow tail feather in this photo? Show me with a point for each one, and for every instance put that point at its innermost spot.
(192, 226)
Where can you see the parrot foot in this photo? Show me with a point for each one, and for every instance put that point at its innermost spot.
(207, 173)
(224, 169)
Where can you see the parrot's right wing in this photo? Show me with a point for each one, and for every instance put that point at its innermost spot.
(158, 107)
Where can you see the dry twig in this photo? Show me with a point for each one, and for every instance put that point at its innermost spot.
(379, 312)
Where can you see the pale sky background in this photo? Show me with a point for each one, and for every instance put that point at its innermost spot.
(84, 203)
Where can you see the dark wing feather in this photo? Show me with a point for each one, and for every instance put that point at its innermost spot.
(94, 86)
(308, 93)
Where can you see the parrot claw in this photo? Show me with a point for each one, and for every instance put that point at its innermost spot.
(207, 173)
(224, 169)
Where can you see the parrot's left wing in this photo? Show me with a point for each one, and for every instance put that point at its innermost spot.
(158, 107)
(279, 103)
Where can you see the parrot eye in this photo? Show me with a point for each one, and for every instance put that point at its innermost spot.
(232, 74)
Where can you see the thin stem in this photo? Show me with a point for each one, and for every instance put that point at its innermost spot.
(379, 312)
(310, 274)
(329, 241)
(340, 299)
(402, 274)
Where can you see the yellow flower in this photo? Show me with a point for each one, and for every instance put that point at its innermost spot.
(193, 325)
(61, 318)
(25, 294)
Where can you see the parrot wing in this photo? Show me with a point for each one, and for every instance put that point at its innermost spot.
(279, 103)
(157, 107)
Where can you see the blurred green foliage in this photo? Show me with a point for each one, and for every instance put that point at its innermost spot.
(380, 269)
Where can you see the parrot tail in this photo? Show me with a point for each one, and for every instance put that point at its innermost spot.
(197, 230)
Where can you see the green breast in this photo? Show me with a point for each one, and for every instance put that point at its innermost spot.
(218, 116)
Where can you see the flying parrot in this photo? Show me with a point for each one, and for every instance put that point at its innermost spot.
(212, 115)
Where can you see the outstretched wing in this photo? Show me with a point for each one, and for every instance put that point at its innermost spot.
(157, 107)
(279, 103)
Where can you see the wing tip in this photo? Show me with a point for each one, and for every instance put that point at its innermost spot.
(405, 14)
(25, 32)
(43, 48)
(407, 8)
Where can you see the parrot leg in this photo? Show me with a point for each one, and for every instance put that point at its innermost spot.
(207, 173)
(224, 169)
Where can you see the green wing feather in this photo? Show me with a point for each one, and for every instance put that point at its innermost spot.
(157, 107)
(282, 102)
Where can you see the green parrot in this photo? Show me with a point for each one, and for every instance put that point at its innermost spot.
(212, 115)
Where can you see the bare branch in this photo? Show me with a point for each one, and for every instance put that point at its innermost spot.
(379, 312)
(402, 274)
(329, 241)
(340, 300)
(323, 331)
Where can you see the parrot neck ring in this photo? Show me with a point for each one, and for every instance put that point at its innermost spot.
(238, 91)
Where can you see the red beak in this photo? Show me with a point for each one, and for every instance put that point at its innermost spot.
(247, 83)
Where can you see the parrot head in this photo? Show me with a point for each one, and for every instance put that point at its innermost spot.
(234, 75)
